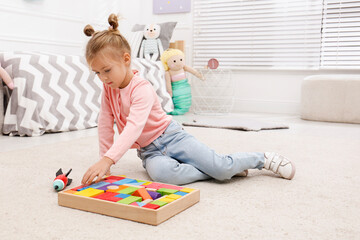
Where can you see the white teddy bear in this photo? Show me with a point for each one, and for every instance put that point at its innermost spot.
(151, 47)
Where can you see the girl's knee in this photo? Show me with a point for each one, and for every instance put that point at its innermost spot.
(163, 171)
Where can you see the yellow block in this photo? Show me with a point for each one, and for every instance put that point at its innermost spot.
(188, 190)
(146, 183)
(167, 199)
(90, 192)
(174, 196)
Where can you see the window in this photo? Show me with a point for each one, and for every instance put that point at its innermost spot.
(277, 34)
(341, 34)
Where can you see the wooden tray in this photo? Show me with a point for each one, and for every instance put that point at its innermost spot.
(129, 212)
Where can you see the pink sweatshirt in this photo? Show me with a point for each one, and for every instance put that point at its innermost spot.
(138, 116)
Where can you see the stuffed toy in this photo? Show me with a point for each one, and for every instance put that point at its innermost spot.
(151, 46)
(176, 82)
(6, 78)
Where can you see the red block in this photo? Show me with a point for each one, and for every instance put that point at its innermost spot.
(151, 206)
(117, 178)
(108, 196)
(153, 185)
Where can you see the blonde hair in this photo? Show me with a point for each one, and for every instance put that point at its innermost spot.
(168, 53)
(110, 38)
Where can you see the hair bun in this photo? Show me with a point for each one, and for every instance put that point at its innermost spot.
(89, 30)
(113, 21)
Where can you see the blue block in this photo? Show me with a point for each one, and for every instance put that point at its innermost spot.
(136, 183)
(125, 181)
(80, 189)
(122, 195)
(141, 204)
(181, 193)
(99, 184)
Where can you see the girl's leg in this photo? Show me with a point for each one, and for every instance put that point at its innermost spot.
(178, 155)
(185, 148)
(165, 169)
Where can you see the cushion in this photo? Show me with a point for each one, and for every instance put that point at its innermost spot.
(331, 98)
(53, 93)
(167, 29)
(134, 39)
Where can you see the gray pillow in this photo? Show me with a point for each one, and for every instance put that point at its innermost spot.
(167, 29)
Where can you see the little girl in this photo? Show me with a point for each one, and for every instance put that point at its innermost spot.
(169, 153)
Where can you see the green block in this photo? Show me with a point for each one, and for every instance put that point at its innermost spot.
(128, 190)
(130, 200)
(158, 202)
(166, 191)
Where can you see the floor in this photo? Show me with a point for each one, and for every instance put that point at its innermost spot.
(14, 143)
(321, 202)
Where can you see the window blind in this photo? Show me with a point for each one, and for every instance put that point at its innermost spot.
(270, 34)
(341, 34)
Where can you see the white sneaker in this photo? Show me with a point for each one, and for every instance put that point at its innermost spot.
(279, 165)
(242, 174)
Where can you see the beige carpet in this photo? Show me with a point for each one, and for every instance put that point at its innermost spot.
(321, 202)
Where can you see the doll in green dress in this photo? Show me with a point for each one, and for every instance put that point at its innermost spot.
(176, 82)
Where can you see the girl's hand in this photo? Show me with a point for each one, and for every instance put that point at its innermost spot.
(97, 170)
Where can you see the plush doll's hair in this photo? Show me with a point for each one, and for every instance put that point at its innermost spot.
(168, 53)
(110, 38)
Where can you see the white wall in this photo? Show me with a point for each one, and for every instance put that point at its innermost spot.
(56, 26)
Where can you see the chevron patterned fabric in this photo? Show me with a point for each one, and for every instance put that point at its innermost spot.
(154, 72)
(53, 93)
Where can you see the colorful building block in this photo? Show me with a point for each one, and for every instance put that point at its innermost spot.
(181, 193)
(119, 188)
(80, 187)
(154, 195)
(89, 192)
(174, 196)
(84, 187)
(146, 183)
(117, 178)
(151, 206)
(128, 190)
(99, 184)
(130, 200)
(158, 202)
(132, 185)
(122, 195)
(141, 192)
(188, 190)
(147, 201)
(124, 181)
(154, 185)
(108, 186)
(166, 191)
(108, 196)
(167, 199)
(171, 187)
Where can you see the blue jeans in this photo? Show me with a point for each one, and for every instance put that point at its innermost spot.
(176, 157)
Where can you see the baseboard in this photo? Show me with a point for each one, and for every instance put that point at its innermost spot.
(265, 106)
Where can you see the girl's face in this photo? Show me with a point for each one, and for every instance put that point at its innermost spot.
(114, 73)
(176, 62)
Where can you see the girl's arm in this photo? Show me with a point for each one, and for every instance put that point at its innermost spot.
(106, 136)
(142, 100)
(105, 125)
